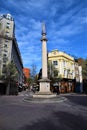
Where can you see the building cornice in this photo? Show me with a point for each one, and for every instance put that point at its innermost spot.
(58, 56)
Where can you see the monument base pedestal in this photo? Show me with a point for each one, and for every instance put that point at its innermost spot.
(44, 91)
(44, 95)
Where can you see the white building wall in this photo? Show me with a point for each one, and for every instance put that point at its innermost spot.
(7, 47)
(80, 77)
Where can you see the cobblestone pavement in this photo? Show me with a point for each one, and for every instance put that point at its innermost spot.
(15, 114)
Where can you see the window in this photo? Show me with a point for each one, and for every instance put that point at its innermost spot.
(7, 33)
(64, 63)
(6, 41)
(8, 23)
(7, 26)
(5, 50)
(55, 62)
(4, 55)
(64, 73)
(4, 65)
(4, 60)
(5, 45)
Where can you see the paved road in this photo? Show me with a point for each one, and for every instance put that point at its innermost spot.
(15, 114)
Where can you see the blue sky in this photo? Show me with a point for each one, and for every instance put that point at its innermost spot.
(66, 25)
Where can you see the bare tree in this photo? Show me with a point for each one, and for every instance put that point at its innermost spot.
(33, 73)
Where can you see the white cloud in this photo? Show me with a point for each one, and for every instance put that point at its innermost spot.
(32, 55)
(64, 19)
(36, 25)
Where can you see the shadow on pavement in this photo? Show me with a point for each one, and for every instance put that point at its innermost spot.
(59, 120)
(80, 100)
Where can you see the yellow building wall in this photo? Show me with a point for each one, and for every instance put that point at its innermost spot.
(65, 63)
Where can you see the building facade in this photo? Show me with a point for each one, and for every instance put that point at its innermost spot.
(63, 62)
(69, 71)
(26, 72)
(78, 77)
(9, 50)
(65, 66)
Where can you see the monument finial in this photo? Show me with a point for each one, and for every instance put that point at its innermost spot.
(43, 32)
(43, 28)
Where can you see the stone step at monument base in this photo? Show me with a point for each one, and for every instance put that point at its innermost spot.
(44, 95)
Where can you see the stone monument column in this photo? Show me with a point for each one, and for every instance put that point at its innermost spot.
(44, 53)
(44, 83)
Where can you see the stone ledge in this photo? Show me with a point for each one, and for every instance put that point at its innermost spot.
(44, 95)
(44, 80)
(57, 99)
